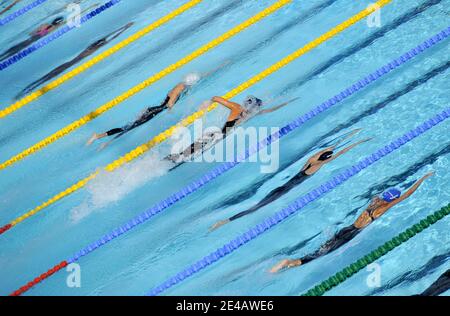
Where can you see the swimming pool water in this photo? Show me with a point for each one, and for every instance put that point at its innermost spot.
(149, 254)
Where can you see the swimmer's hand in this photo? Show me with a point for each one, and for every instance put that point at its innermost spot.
(218, 224)
(91, 140)
(284, 264)
(429, 174)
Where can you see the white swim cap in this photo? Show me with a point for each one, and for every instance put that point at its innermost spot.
(191, 79)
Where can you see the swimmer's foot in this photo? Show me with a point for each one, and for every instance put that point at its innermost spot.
(92, 139)
(284, 264)
(218, 224)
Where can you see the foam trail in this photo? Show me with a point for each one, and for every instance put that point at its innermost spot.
(110, 187)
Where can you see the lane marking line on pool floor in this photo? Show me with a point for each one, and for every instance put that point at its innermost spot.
(378, 253)
(140, 150)
(57, 34)
(11, 17)
(96, 59)
(144, 84)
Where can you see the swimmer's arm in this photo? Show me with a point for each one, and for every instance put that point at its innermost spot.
(345, 150)
(209, 73)
(10, 6)
(407, 194)
(235, 108)
(174, 94)
(275, 108)
(119, 32)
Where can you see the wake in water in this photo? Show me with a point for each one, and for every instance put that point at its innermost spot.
(110, 187)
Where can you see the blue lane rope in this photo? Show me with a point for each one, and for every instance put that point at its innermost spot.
(47, 40)
(20, 12)
(174, 198)
(299, 204)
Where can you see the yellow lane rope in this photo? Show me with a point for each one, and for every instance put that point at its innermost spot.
(144, 84)
(190, 119)
(95, 60)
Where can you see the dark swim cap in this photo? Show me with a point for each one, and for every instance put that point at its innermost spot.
(58, 20)
(326, 155)
(391, 195)
(252, 101)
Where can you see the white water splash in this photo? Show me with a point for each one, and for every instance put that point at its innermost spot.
(110, 187)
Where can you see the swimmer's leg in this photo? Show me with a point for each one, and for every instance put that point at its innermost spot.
(341, 238)
(96, 136)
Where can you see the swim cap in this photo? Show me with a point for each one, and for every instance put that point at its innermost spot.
(191, 79)
(391, 195)
(251, 102)
(326, 155)
(58, 20)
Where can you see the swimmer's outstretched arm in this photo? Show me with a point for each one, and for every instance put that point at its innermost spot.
(275, 108)
(236, 109)
(286, 264)
(174, 94)
(345, 150)
(10, 6)
(380, 211)
(118, 32)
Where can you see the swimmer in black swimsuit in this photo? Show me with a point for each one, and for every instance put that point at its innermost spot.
(313, 165)
(377, 208)
(86, 53)
(9, 7)
(440, 286)
(172, 98)
(37, 34)
(239, 114)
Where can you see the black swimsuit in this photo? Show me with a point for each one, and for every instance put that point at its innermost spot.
(341, 238)
(200, 145)
(276, 193)
(149, 113)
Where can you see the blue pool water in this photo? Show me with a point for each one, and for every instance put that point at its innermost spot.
(160, 248)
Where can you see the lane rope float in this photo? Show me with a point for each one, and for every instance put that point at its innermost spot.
(299, 204)
(57, 34)
(140, 150)
(381, 251)
(144, 84)
(95, 60)
(11, 17)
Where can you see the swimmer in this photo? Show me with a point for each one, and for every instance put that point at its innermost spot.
(239, 114)
(9, 7)
(171, 99)
(314, 164)
(86, 53)
(440, 286)
(377, 207)
(38, 33)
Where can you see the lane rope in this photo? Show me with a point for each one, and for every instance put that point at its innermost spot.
(299, 204)
(381, 251)
(140, 150)
(95, 60)
(11, 17)
(57, 34)
(144, 84)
